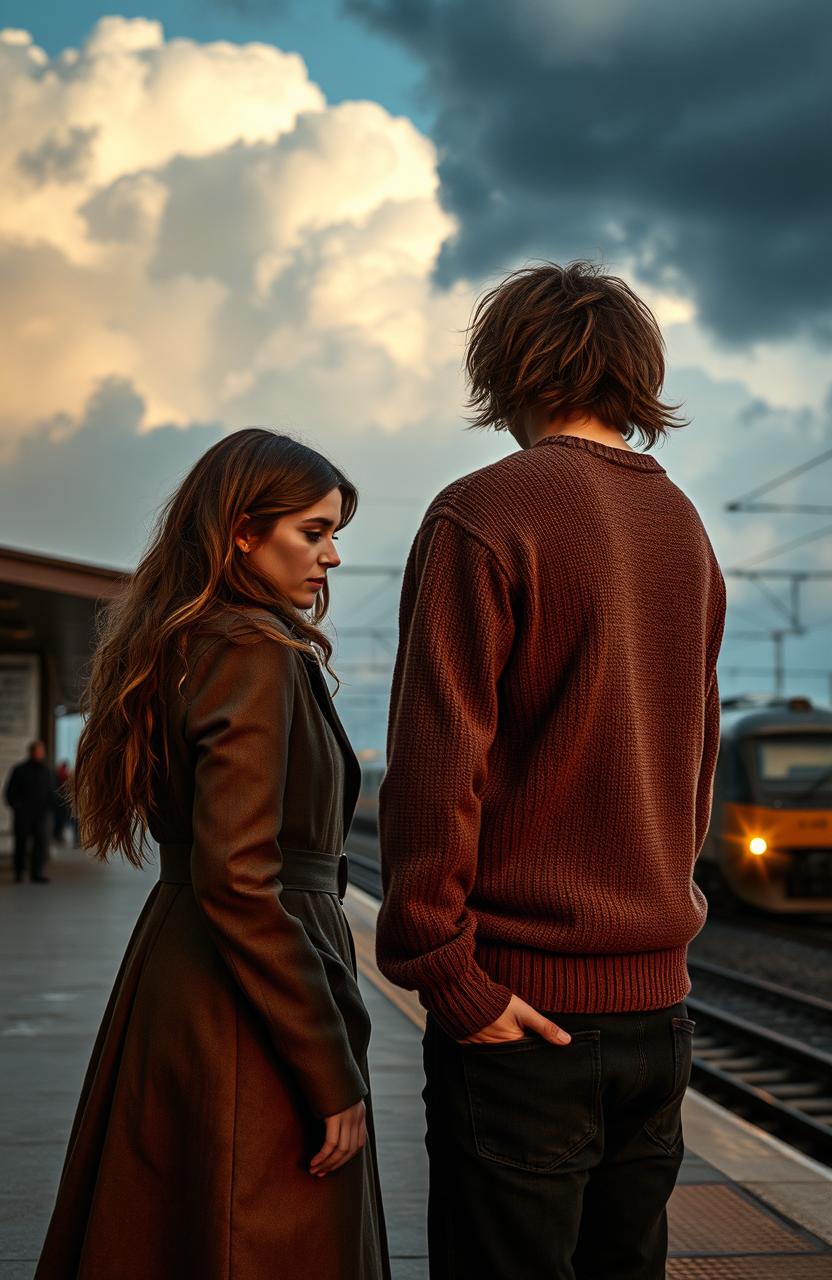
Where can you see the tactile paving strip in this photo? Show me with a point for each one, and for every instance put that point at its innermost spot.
(769, 1267)
(715, 1218)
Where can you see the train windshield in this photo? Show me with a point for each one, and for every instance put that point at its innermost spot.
(798, 766)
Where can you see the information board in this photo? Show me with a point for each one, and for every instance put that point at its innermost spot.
(19, 718)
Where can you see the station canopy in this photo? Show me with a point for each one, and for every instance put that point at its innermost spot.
(48, 605)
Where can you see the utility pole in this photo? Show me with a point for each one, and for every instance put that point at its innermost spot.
(791, 609)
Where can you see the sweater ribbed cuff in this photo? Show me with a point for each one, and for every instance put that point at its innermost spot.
(467, 1004)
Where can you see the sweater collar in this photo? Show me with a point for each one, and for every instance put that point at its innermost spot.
(612, 453)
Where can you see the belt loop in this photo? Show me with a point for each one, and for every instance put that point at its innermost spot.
(343, 876)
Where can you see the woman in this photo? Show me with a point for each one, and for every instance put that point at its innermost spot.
(224, 1128)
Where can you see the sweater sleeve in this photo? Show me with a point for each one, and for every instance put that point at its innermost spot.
(238, 723)
(456, 632)
(710, 746)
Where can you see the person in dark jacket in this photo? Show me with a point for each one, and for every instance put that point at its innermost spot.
(30, 793)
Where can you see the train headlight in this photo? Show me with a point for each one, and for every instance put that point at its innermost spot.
(757, 845)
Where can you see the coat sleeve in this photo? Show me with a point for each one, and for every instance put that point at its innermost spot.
(443, 719)
(238, 723)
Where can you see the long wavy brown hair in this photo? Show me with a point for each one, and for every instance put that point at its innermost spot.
(191, 571)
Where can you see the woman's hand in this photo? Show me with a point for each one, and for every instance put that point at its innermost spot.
(346, 1133)
(517, 1020)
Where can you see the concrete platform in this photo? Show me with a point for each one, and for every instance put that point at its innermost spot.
(746, 1206)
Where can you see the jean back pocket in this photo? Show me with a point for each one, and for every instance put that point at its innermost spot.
(665, 1125)
(534, 1105)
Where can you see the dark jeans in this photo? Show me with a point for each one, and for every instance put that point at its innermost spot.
(556, 1161)
(29, 830)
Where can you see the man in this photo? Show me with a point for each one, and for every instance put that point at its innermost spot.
(30, 793)
(553, 734)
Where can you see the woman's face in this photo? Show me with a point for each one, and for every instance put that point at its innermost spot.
(299, 551)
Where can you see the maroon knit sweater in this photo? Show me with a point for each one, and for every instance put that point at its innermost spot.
(554, 727)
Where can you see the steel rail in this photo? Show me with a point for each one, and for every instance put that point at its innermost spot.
(775, 1079)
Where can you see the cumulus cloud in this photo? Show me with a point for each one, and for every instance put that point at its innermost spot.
(196, 220)
(88, 485)
(139, 100)
(191, 235)
(192, 240)
(63, 156)
(686, 140)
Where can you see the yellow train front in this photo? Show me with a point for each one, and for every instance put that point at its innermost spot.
(770, 838)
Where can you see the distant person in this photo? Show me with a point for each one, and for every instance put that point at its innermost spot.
(30, 793)
(73, 816)
(63, 810)
(225, 1126)
(553, 733)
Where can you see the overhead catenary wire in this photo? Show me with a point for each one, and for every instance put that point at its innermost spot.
(740, 504)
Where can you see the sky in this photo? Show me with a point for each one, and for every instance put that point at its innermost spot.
(237, 212)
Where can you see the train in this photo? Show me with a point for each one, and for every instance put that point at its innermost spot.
(769, 843)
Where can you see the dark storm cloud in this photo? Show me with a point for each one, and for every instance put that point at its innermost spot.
(693, 138)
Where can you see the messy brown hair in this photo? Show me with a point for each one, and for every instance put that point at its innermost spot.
(192, 572)
(573, 340)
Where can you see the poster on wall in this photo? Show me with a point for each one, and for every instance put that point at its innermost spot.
(19, 717)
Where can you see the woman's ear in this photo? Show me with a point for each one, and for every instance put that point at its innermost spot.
(242, 534)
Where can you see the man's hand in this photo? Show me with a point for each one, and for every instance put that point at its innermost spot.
(516, 1021)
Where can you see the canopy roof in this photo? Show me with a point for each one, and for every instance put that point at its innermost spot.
(49, 604)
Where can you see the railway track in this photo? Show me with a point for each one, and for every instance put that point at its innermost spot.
(364, 871)
(760, 1049)
(362, 851)
(807, 932)
(765, 1052)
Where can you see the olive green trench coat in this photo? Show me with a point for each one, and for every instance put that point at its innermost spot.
(235, 1023)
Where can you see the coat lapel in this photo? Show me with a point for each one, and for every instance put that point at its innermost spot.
(352, 769)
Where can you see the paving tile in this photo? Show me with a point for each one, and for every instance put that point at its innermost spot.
(719, 1219)
(408, 1268)
(28, 1182)
(770, 1267)
(17, 1269)
(807, 1203)
(694, 1170)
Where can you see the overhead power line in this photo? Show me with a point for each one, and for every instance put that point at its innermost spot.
(789, 546)
(789, 610)
(747, 503)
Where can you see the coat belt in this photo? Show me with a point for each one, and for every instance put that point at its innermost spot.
(311, 870)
